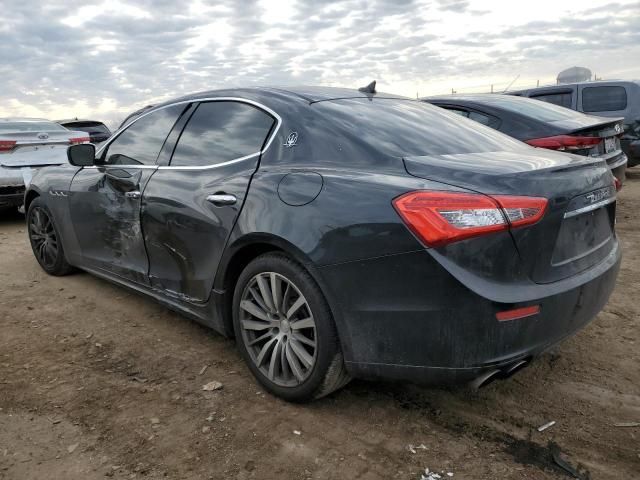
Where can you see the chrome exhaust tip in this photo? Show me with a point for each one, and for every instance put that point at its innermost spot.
(484, 379)
(498, 374)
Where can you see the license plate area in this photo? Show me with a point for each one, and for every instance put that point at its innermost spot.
(610, 144)
(585, 238)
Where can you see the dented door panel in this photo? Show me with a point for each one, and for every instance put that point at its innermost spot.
(184, 233)
(105, 213)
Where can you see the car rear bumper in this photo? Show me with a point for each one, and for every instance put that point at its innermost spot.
(618, 166)
(633, 153)
(424, 326)
(11, 187)
(12, 200)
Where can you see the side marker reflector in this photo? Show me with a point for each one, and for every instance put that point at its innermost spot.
(517, 313)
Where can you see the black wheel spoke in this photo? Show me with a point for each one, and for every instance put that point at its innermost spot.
(43, 237)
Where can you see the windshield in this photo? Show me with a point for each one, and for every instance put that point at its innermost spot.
(30, 127)
(413, 128)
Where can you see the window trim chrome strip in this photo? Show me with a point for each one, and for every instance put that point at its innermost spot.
(139, 167)
(198, 167)
(589, 208)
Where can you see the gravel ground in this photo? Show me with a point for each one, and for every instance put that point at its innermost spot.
(98, 382)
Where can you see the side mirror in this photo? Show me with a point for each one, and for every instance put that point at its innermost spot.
(82, 155)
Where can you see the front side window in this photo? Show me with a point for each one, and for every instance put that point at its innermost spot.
(141, 143)
(221, 131)
(563, 99)
(604, 99)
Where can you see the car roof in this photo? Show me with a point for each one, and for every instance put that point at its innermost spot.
(308, 94)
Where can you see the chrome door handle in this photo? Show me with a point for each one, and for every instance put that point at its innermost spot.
(221, 199)
(133, 194)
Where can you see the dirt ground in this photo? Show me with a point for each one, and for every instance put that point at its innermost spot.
(98, 382)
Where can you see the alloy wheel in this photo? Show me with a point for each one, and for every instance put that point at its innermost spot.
(43, 237)
(278, 329)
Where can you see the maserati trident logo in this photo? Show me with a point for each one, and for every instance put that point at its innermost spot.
(43, 136)
(618, 128)
(292, 140)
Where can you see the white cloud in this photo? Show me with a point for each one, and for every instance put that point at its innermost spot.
(108, 58)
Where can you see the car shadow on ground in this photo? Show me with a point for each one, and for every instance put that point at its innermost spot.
(11, 217)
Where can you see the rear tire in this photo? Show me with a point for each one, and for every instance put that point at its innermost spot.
(285, 331)
(45, 239)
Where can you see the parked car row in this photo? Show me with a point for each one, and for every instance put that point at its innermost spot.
(616, 140)
(605, 98)
(343, 233)
(544, 125)
(29, 144)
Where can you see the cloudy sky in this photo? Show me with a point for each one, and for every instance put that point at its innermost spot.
(103, 59)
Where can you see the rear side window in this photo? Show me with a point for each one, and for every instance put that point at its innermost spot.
(604, 99)
(563, 99)
(221, 131)
(141, 142)
(410, 127)
(462, 113)
(487, 120)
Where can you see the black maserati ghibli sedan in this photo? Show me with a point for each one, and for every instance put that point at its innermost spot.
(339, 233)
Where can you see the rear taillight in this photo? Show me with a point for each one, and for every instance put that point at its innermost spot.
(565, 142)
(73, 141)
(7, 145)
(438, 218)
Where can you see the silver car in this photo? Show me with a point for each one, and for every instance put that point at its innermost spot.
(27, 144)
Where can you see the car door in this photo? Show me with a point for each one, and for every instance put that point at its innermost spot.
(191, 205)
(105, 199)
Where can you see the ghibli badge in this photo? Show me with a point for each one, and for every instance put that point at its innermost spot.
(598, 195)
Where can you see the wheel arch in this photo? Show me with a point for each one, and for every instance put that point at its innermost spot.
(29, 197)
(245, 249)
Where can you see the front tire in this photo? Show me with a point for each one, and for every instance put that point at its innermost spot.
(285, 331)
(45, 240)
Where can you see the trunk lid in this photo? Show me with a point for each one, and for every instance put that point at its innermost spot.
(607, 129)
(577, 230)
(35, 156)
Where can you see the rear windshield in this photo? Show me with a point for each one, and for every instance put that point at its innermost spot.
(412, 128)
(30, 127)
(539, 110)
(88, 126)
